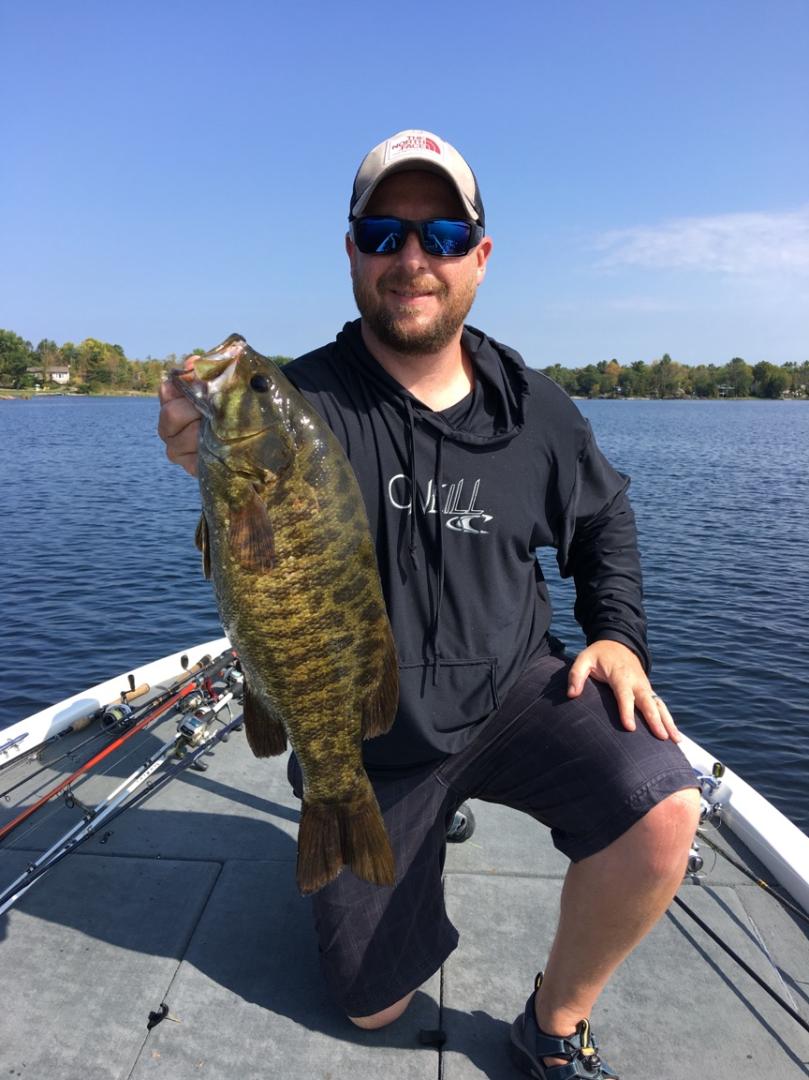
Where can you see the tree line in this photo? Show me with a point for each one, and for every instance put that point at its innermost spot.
(97, 366)
(666, 378)
(93, 366)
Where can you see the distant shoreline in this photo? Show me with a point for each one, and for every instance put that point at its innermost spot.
(31, 395)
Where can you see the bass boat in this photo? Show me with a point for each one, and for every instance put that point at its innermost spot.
(150, 922)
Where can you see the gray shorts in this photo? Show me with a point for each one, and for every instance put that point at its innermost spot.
(566, 762)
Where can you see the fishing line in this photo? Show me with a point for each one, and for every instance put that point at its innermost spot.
(119, 798)
(742, 964)
(193, 680)
(115, 761)
(70, 792)
(75, 837)
(71, 753)
(68, 781)
(793, 908)
(81, 722)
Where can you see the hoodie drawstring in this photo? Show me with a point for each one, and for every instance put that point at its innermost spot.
(437, 480)
(440, 586)
(411, 450)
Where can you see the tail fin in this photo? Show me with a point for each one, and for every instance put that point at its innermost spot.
(337, 834)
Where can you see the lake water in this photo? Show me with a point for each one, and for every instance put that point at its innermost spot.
(100, 574)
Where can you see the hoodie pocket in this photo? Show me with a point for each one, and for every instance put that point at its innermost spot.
(451, 696)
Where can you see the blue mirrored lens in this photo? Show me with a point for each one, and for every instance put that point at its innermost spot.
(379, 236)
(385, 236)
(443, 237)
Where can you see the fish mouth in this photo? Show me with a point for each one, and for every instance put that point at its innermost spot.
(205, 382)
(206, 379)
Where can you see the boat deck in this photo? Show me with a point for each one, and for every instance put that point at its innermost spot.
(190, 900)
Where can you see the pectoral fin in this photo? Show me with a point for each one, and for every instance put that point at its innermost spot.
(202, 541)
(250, 535)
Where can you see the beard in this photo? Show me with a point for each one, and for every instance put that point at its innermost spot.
(408, 333)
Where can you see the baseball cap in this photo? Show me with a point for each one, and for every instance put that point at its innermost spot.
(415, 149)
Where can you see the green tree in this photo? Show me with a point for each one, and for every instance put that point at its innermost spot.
(770, 381)
(16, 356)
(589, 379)
(629, 383)
(564, 377)
(739, 375)
(640, 378)
(91, 363)
(70, 356)
(705, 381)
(664, 377)
(146, 375)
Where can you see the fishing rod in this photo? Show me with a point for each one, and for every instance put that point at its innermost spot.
(165, 701)
(742, 963)
(124, 698)
(113, 717)
(192, 740)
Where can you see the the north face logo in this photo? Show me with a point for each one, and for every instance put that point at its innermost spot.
(411, 144)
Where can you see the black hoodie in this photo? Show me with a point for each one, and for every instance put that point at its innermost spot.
(511, 468)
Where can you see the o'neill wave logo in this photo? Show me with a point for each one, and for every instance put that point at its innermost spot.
(410, 144)
(460, 512)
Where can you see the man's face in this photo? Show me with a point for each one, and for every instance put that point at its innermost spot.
(413, 302)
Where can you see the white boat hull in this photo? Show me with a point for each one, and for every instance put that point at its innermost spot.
(23, 736)
(770, 835)
(779, 844)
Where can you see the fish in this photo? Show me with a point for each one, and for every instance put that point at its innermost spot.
(285, 539)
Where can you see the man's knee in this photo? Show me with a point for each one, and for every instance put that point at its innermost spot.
(667, 831)
(657, 845)
(383, 1018)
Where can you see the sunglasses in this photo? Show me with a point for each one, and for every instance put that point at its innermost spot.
(439, 236)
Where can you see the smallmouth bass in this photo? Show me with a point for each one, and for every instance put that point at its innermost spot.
(284, 536)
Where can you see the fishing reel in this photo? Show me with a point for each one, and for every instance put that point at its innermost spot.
(710, 809)
(116, 717)
(710, 813)
(193, 727)
(234, 680)
(192, 702)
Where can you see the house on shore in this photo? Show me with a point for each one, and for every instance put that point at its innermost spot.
(58, 374)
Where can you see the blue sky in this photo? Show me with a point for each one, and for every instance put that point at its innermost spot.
(176, 171)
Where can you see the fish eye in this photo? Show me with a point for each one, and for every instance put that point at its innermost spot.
(260, 383)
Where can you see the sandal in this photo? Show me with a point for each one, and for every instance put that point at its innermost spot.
(529, 1045)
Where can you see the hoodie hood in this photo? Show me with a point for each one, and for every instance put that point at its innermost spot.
(492, 414)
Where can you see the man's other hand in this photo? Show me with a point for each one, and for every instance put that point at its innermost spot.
(178, 425)
(615, 664)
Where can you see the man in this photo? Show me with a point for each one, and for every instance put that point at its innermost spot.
(468, 462)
